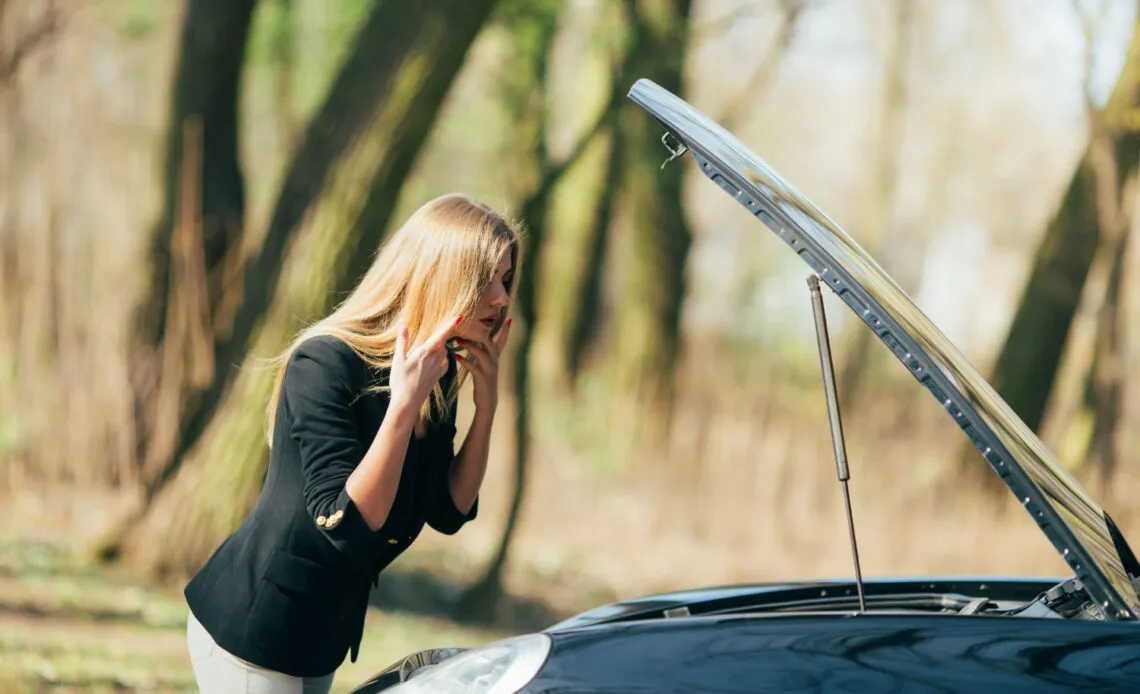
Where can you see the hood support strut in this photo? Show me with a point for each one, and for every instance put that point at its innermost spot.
(840, 447)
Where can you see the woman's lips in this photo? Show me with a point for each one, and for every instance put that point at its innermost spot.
(489, 322)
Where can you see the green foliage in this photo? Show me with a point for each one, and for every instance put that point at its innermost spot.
(9, 434)
(528, 21)
(100, 629)
(530, 24)
(270, 24)
(140, 19)
(323, 31)
(9, 424)
(333, 22)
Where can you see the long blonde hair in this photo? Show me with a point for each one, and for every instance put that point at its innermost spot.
(434, 267)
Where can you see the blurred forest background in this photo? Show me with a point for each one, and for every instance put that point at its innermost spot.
(183, 185)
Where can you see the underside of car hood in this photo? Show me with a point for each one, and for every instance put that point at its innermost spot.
(1070, 517)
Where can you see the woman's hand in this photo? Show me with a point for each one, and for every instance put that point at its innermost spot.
(482, 362)
(414, 373)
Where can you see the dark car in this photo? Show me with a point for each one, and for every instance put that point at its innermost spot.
(959, 634)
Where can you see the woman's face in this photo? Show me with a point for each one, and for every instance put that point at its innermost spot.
(479, 325)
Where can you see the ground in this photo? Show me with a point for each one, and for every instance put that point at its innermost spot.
(67, 625)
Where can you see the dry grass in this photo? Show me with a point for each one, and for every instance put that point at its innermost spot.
(66, 626)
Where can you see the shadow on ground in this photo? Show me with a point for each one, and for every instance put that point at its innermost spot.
(421, 592)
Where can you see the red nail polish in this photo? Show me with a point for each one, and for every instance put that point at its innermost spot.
(457, 320)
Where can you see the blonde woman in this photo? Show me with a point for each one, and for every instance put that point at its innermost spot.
(361, 431)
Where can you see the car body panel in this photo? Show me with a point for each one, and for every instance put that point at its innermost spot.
(865, 653)
(1068, 515)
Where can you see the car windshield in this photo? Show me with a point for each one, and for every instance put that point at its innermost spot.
(1072, 519)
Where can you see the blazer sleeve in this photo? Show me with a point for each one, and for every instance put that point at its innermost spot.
(317, 389)
(443, 515)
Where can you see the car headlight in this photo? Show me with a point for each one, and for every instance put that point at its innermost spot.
(502, 667)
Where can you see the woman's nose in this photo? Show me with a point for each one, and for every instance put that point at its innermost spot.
(499, 296)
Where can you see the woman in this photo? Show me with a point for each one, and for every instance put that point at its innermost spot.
(361, 431)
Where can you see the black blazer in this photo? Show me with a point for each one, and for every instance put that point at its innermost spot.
(288, 590)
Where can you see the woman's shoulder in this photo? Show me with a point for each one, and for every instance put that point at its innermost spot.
(331, 354)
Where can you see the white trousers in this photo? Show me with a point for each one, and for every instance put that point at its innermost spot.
(220, 672)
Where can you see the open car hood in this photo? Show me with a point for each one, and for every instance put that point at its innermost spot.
(1074, 522)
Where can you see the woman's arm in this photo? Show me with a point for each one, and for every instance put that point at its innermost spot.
(350, 483)
(349, 489)
(321, 381)
(372, 485)
(467, 470)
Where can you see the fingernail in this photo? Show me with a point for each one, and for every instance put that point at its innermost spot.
(510, 320)
(459, 319)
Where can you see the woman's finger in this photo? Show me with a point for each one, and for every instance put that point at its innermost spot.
(443, 334)
(401, 343)
(472, 365)
(501, 338)
(480, 351)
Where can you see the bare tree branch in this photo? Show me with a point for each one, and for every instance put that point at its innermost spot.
(1088, 24)
(713, 28)
(26, 42)
(791, 11)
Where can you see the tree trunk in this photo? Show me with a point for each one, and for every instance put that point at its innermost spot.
(363, 182)
(1089, 214)
(586, 294)
(285, 58)
(199, 232)
(533, 32)
(206, 90)
(1028, 361)
(1106, 378)
(583, 310)
(881, 201)
(481, 601)
(23, 40)
(654, 250)
(1027, 365)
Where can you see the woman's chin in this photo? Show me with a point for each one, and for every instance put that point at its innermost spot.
(477, 333)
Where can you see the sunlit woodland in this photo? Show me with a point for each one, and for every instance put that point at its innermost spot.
(186, 184)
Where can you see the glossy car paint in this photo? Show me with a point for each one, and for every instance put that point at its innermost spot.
(866, 653)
